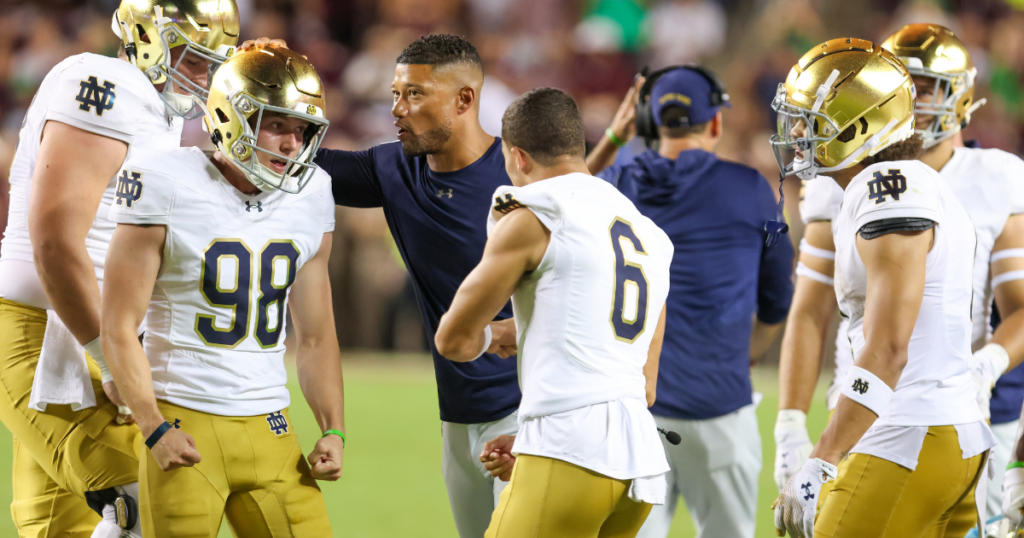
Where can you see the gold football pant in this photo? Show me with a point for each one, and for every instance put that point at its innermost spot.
(59, 454)
(252, 471)
(878, 498)
(553, 498)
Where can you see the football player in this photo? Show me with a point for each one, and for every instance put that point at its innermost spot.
(211, 251)
(911, 438)
(989, 183)
(588, 276)
(88, 115)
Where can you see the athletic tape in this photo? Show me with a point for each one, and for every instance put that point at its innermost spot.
(811, 250)
(1007, 277)
(1007, 253)
(803, 270)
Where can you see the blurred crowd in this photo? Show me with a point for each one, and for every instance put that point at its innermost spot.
(591, 48)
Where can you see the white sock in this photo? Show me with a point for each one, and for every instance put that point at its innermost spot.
(107, 528)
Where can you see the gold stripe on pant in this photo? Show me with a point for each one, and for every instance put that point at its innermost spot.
(553, 498)
(878, 498)
(59, 454)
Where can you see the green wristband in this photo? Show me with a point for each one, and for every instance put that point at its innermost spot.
(614, 138)
(335, 432)
(1014, 465)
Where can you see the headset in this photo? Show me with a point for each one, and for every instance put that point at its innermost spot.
(645, 126)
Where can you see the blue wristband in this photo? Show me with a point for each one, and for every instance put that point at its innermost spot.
(154, 437)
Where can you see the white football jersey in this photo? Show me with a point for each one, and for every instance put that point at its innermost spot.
(585, 320)
(586, 316)
(935, 387)
(99, 94)
(215, 327)
(989, 183)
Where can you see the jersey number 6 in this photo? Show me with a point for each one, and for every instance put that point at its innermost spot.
(238, 296)
(630, 285)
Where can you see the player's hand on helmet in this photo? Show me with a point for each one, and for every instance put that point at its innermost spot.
(175, 449)
(798, 502)
(262, 43)
(624, 122)
(792, 444)
(503, 338)
(1013, 495)
(124, 413)
(497, 457)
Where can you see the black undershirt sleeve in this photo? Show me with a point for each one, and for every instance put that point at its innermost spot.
(881, 227)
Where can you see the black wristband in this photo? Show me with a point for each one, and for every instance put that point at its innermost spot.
(154, 437)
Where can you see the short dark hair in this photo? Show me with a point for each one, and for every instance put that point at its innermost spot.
(673, 114)
(546, 123)
(440, 50)
(904, 150)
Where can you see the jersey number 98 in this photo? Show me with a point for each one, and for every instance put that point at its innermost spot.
(276, 272)
(629, 309)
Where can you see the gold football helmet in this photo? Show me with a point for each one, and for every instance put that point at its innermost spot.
(930, 50)
(251, 84)
(844, 100)
(208, 29)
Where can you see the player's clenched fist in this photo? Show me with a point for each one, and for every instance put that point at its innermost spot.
(326, 457)
(497, 457)
(175, 449)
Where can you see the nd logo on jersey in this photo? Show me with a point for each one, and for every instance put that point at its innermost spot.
(129, 189)
(92, 95)
(881, 186)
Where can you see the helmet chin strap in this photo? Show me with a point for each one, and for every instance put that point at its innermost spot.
(777, 227)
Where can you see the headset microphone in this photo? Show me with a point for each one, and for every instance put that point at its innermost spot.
(671, 437)
(777, 227)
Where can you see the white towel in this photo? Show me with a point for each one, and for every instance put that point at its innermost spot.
(62, 374)
(649, 489)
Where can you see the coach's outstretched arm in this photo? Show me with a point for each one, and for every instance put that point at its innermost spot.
(516, 246)
(318, 360)
(133, 262)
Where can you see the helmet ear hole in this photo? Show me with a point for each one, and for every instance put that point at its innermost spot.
(221, 116)
(848, 134)
(143, 36)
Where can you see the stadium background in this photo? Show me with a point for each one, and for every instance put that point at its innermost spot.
(591, 48)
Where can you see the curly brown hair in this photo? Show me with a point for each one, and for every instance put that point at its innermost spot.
(904, 150)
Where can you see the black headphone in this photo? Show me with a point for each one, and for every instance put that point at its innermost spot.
(645, 126)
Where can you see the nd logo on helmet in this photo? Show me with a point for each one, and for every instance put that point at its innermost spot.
(311, 110)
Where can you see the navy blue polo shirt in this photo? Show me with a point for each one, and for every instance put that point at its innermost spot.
(721, 276)
(439, 221)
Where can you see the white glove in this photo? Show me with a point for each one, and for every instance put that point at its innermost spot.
(798, 502)
(987, 364)
(792, 444)
(1013, 495)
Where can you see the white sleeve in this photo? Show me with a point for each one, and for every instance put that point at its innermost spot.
(819, 199)
(86, 97)
(142, 196)
(328, 200)
(1014, 170)
(895, 190)
(507, 198)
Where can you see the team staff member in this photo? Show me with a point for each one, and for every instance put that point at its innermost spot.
(212, 251)
(726, 285)
(435, 185)
(90, 113)
(907, 429)
(589, 460)
(989, 183)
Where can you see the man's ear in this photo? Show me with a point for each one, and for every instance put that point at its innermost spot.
(466, 99)
(524, 164)
(716, 125)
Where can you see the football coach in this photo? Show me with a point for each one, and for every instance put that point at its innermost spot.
(729, 293)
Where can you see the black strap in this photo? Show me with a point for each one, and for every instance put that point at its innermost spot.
(882, 227)
(154, 437)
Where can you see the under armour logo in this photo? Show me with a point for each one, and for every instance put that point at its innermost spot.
(859, 385)
(277, 423)
(807, 491)
(129, 188)
(177, 424)
(442, 194)
(893, 185)
(506, 205)
(258, 206)
(91, 95)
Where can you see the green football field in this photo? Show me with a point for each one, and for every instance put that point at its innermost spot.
(392, 484)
